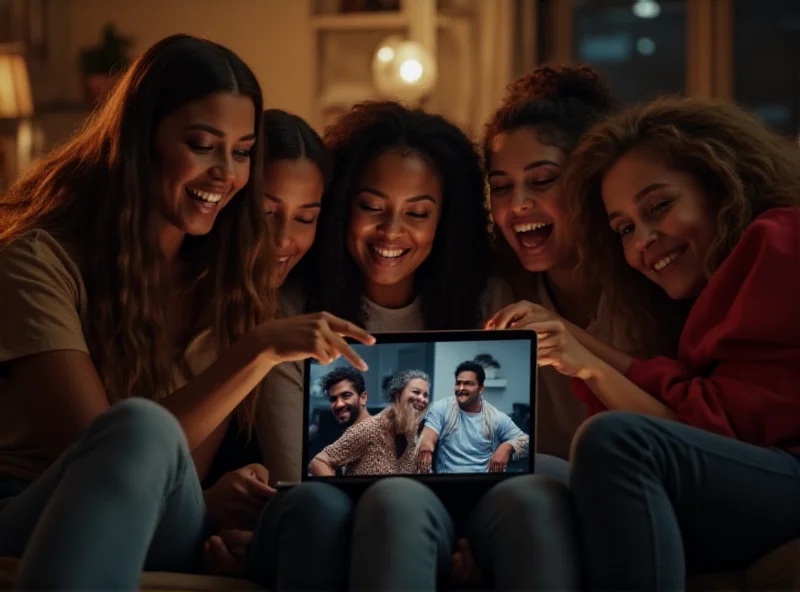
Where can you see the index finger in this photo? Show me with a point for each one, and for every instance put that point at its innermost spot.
(341, 347)
(348, 329)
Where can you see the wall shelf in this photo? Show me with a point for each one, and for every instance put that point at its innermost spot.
(493, 383)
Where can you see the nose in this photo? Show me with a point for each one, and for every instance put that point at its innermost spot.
(391, 225)
(282, 238)
(645, 236)
(223, 169)
(521, 200)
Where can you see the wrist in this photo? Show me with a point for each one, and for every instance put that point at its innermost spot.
(260, 345)
(592, 371)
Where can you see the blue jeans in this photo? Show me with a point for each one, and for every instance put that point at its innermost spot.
(123, 497)
(400, 536)
(658, 499)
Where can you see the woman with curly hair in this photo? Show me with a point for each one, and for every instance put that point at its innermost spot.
(135, 267)
(527, 145)
(403, 239)
(688, 213)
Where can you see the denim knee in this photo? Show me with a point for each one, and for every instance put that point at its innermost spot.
(318, 503)
(527, 495)
(399, 500)
(141, 438)
(606, 438)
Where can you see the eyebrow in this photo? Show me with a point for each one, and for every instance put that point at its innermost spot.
(375, 192)
(528, 167)
(307, 206)
(639, 197)
(216, 132)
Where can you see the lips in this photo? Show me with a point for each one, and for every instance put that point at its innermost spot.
(207, 200)
(387, 256)
(532, 235)
(660, 263)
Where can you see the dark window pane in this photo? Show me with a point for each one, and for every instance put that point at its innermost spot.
(767, 61)
(638, 45)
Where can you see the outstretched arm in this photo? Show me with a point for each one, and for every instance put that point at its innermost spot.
(427, 445)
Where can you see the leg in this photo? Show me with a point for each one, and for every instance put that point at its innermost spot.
(523, 535)
(552, 466)
(657, 498)
(88, 521)
(402, 538)
(302, 540)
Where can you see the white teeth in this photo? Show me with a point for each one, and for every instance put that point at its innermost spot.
(531, 226)
(283, 259)
(662, 263)
(388, 253)
(205, 195)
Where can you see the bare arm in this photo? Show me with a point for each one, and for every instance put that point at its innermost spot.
(321, 466)
(427, 444)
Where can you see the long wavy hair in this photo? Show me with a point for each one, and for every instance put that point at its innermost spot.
(560, 104)
(744, 168)
(98, 192)
(453, 277)
(289, 137)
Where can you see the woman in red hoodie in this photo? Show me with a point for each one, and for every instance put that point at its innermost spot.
(689, 217)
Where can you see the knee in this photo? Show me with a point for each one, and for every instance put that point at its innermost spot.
(606, 438)
(317, 503)
(398, 500)
(532, 496)
(141, 429)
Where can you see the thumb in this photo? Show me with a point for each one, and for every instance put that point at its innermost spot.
(259, 472)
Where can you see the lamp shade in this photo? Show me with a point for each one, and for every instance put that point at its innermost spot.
(403, 69)
(16, 101)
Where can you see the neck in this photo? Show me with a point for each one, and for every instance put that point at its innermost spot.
(474, 407)
(570, 297)
(363, 414)
(394, 296)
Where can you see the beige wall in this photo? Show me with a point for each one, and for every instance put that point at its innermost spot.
(273, 36)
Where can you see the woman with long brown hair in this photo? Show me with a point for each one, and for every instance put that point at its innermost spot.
(135, 264)
(689, 217)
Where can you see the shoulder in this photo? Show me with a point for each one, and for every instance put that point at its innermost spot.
(37, 259)
(776, 230)
(439, 407)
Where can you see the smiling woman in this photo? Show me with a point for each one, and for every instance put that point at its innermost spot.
(135, 263)
(403, 240)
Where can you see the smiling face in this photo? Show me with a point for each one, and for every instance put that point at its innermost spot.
(417, 394)
(393, 219)
(293, 193)
(663, 219)
(526, 199)
(468, 391)
(203, 152)
(345, 403)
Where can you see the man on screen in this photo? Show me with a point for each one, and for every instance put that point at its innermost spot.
(347, 395)
(473, 435)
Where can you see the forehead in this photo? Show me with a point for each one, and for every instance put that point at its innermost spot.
(467, 376)
(233, 114)
(342, 387)
(520, 147)
(632, 173)
(401, 175)
(286, 177)
(417, 383)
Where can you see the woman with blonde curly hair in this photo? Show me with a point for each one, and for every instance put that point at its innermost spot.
(688, 216)
(135, 264)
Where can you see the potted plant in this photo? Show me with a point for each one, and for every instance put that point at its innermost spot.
(103, 63)
(490, 366)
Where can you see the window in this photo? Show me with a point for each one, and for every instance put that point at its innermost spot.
(766, 54)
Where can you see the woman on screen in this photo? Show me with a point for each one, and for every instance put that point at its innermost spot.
(383, 444)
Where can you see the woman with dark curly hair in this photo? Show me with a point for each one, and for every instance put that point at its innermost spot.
(403, 239)
(688, 214)
(527, 144)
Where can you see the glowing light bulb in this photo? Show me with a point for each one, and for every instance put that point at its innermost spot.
(646, 9)
(411, 71)
(385, 54)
